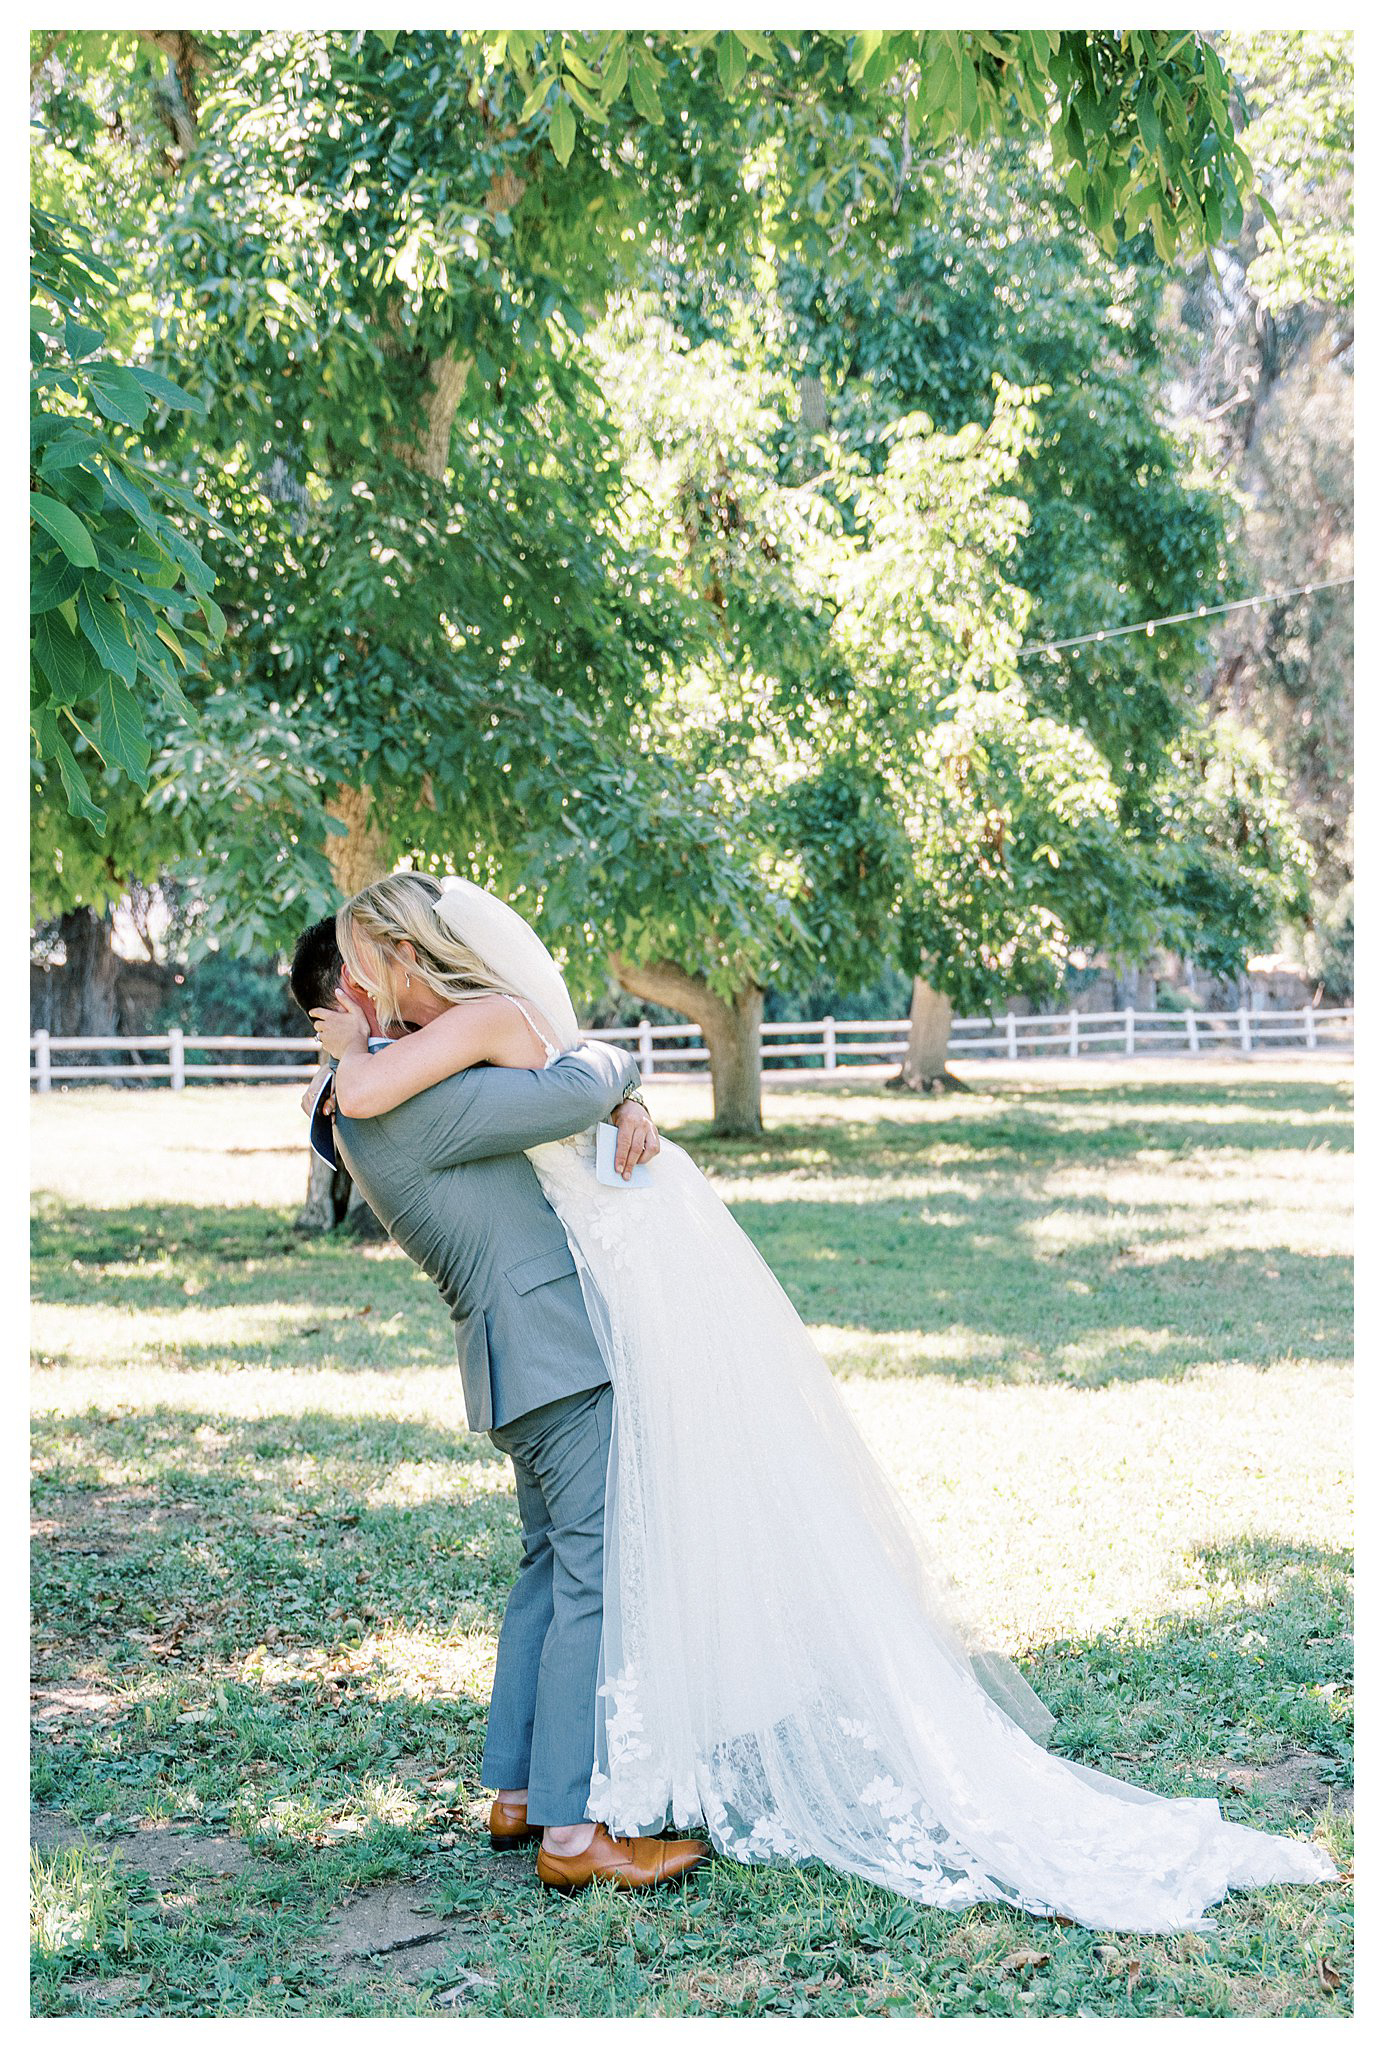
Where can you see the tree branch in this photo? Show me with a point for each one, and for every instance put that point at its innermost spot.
(663, 981)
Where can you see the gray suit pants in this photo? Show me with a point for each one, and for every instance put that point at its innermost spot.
(542, 1727)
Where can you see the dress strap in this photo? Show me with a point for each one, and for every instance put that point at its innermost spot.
(539, 1033)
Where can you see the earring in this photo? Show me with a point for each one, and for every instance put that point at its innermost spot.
(407, 982)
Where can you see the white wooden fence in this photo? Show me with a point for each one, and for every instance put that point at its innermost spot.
(833, 1042)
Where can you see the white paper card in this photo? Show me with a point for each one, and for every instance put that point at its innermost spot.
(606, 1136)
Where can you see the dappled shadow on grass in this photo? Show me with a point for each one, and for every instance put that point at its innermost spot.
(341, 1777)
(1084, 1315)
(238, 1533)
(1002, 1262)
(318, 1301)
(298, 1524)
(1030, 1125)
(1081, 1314)
(1259, 1662)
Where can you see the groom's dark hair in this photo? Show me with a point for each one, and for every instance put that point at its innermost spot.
(317, 967)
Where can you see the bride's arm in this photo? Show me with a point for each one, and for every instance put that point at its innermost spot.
(368, 1084)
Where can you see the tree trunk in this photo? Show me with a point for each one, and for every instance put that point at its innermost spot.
(78, 1000)
(328, 1196)
(362, 856)
(731, 1031)
(924, 1069)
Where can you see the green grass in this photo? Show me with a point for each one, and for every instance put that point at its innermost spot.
(1097, 1331)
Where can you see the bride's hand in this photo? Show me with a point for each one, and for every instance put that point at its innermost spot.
(637, 1140)
(343, 1029)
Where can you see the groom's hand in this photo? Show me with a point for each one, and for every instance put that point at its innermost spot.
(310, 1093)
(637, 1137)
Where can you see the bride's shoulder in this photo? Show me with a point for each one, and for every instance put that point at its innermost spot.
(463, 1023)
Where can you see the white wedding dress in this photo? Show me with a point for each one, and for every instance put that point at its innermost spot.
(778, 1661)
(781, 1658)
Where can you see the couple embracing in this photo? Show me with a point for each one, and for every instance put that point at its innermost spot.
(724, 1620)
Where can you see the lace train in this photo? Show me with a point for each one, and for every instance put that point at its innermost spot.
(782, 1660)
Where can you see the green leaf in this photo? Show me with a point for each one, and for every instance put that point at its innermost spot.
(592, 109)
(75, 784)
(1139, 207)
(198, 575)
(542, 86)
(128, 495)
(81, 341)
(574, 62)
(615, 74)
(865, 43)
(45, 427)
(67, 452)
(166, 391)
(562, 130)
(121, 730)
(169, 693)
(966, 106)
(215, 618)
(104, 625)
(60, 657)
(66, 528)
(117, 394)
(643, 89)
(938, 84)
(730, 61)
(1150, 127)
(1164, 234)
(52, 582)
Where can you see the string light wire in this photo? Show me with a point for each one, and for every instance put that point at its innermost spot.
(1203, 611)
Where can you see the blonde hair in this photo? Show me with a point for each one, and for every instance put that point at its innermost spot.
(375, 923)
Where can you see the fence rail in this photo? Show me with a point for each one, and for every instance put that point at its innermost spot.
(833, 1043)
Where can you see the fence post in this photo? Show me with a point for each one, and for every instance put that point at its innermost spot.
(1309, 1026)
(1074, 1034)
(829, 1045)
(1191, 1031)
(177, 1060)
(646, 1049)
(43, 1062)
(1129, 1028)
(1010, 1037)
(1246, 1044)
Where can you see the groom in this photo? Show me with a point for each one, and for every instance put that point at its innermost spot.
(446, 1174)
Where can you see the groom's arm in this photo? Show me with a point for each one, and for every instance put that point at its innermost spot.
(489, 1110)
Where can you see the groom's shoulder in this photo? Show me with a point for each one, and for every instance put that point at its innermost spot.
(393, 1126)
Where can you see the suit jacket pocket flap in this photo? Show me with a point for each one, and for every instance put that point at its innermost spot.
(531, 1273)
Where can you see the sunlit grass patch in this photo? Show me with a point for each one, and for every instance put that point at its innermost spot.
(1094, 1330)
(75, 1901)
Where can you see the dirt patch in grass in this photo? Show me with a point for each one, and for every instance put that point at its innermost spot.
(1296, 1777)
(162, 1851)
(386, 1933)
(113, 1990)
(73, 1702)
(98, 1523)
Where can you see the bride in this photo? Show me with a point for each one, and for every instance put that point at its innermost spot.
(781, 1662)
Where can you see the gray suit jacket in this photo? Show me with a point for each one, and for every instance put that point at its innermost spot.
(447, 1177)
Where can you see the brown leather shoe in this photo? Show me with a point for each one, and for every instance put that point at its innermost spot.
(509, 1825)
(632, 1862)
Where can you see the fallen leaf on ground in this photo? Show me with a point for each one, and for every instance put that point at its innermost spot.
(470, 1980)
(1024, 1959)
